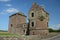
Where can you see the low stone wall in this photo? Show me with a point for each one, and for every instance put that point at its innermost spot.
(32, 37)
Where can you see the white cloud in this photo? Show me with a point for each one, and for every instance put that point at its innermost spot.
(4, 0)
(8, 5)
(9, 10)
(57, 26)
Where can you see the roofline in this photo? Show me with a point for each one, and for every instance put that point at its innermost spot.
(45, 11)
(18, 14)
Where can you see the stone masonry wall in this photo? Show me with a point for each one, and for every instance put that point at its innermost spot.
(15, 23)
(31, 37)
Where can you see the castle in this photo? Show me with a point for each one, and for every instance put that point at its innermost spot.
(37, 22)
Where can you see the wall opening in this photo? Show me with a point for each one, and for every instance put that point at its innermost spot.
(32, 14)
(11, 25)
(32, 24)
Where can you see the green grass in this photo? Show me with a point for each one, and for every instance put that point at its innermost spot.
(3, 31)
(7, 34)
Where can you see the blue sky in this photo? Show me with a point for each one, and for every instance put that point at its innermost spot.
(8, 7)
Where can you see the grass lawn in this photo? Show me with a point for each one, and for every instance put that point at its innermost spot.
(7, 34)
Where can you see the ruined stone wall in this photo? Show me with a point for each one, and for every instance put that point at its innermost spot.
(12, 24)
(39, 32)
(21, 38)
(40, 27)
(19, 22)
(15, 23)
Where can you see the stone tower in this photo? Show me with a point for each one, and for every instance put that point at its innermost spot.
(17, 22)
(38, 20)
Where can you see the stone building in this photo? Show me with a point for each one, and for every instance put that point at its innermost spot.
(37, 22)
(17, 22)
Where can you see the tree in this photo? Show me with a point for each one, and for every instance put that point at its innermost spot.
(51, 30)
